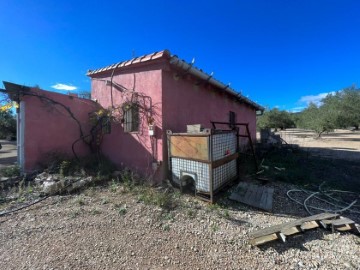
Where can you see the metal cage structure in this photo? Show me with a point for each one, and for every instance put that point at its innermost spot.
(208, 159)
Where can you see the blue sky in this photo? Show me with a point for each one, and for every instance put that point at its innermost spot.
(278, 53)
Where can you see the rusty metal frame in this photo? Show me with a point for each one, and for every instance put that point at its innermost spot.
(246, 125)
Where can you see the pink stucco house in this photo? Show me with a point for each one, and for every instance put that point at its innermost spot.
(146, 96)
(168, 94)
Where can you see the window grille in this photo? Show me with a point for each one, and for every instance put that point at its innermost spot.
(131, 117)
(232, 119)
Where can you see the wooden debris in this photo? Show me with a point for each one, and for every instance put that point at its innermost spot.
(263, 239)
(309, 225)
(292, 230)
(342, 224)
(344, 228)
(339, 222)
(324, 220)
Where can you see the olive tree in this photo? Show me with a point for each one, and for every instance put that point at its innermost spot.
(7, 118)
(319, 119)
(345, 105)
(275, 118)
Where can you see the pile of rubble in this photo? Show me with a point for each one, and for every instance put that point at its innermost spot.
(55, 183)
(270, 138)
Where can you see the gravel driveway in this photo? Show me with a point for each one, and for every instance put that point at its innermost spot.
(101, 229)
(8, 153)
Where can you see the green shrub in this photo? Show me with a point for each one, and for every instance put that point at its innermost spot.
(94, 165)
(11, 171)
(122, 210)
(53, 160)
(114, 186)
(80, 200)
(7, 124)
(166, 227)
(191, 213)
(161, 199)
(95, 211)
(130, 179)
(65, 168)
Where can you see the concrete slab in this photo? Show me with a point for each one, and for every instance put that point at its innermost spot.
(254, 195)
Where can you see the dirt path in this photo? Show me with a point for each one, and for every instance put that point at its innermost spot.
(340, 144)
(8, 153)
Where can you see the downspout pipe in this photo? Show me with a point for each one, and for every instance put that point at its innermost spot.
(175, 61)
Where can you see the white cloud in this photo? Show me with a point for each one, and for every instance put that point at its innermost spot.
(297, 109)
(61, 86)
(316, 99)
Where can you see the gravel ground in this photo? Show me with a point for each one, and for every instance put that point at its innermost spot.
(103, 229)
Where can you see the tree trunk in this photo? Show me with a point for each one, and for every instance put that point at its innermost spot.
(319, 134)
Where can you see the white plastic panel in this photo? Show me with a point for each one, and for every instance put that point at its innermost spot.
(223, 144)
(201, 170)
(224, 173)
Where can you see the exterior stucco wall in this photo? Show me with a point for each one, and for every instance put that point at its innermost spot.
(48, 128)
(136, 150)
(176, 102)
(188, 102)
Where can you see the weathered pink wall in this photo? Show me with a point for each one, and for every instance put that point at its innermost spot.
(133, 150)
(177, 102)
(186, 103)
(49, 128)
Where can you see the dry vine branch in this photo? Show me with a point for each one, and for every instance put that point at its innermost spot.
(51, 101)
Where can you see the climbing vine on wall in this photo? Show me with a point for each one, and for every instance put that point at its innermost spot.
(101, 120)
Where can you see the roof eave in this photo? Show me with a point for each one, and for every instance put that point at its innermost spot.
(137, 60)
(178, 63)
(189, 68)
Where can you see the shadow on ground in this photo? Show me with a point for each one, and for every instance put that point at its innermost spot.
(337, 153)
(296, 241)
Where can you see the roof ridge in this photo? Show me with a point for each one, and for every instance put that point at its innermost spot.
(175, 61)
(139, 59)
